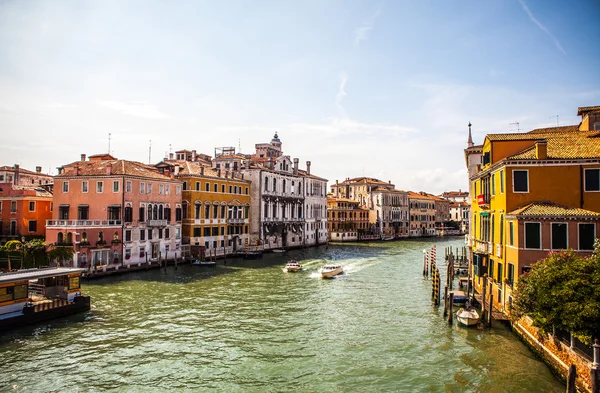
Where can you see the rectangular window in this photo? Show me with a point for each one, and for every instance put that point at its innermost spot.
(84, 186)
(83, 212)
(215, 231)
(99, 187)
(559, 236)
(168, 189)
(520, 181)
(13, 206)
(493, 184)
(177, 190)
(592, 179)
(499, 276)
(207, 188)
(128, 235)
(206, 231)
(161, 189)
(533, 236)
(65, 186)
(246, 190)
(510, 276)
(115, 186)
(142, 188)
(587, 234)
(196, 232)
(128, 186)
(511, 234)
(32, 226)
(502, 182)
(149, 234)
(149, 188)
(142, 214)
(32, 206)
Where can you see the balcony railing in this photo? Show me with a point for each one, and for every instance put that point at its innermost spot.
(236, 220)
(483, 247)
(498, 250)
(157, 223)
(83, 223)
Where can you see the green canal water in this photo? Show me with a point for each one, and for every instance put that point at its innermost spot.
(249, 327)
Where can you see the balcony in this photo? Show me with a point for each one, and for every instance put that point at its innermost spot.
(157, 223)
(236, 220)
(483, 247)
(498, 250)
(83, 223)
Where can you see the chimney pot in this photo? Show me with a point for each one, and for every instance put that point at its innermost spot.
(109, 170)
(218, 172)
(38, 169)
(83, 157)
(308, 167)
(202, 170)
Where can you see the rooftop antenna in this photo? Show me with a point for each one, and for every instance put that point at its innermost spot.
(170, 150)
(109, 143)
(239, 145)
(516, 123)
(551, 117)
(150, 153)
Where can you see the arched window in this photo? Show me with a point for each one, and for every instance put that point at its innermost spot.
(83, 262)
(223, 188)
(184, 211)
(206, 211)
(149, 212)
(160, 212)
(216, 187)
(59, 238)
(493, 239)
(100, 236)
(84, 237)
(155, 212)
(184, 186)
(69, 238)
(197, 210)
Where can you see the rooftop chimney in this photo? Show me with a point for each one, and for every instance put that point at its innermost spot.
(109, 170)
(219, 172)
(296, 161)
(83, 157)
(38, 169)
(337, 188)
(176, 169)
(193, 155)
(16, 176)
(541, 150)
(202, 171)
(308, 167)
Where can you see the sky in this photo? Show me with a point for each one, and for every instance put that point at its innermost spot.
(360, 88)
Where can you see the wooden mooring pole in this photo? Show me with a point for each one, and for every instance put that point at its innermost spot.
(445, 300)
(571, 379)
(490, 312)
(450, 306)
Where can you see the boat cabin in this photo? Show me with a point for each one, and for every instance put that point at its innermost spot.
(28, 295)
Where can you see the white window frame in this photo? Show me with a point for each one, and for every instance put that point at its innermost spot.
(559, 222)
(161, 189)
(11, 207)
(142, 188)
(584, 177)
(502, 181)
(168, 189)
(578, 227)
(177, 190)
(34, 206)
(128, 186)
(100, 185)
(118, 184)
(149, 188)
(85, 189)
(65, 186)
(525, 235)
(513, 181)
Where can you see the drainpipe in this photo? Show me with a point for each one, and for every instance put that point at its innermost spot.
(580, 186)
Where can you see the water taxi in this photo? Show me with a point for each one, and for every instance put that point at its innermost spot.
(330, 271)
(33, 295)
(292, 266)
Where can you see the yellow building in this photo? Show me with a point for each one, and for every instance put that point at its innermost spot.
(533, 193)
(215, 207)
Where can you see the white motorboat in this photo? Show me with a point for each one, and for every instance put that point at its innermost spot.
(467, 317)
(292, 266)
(330, 271)
(198, 262)
(279, 250)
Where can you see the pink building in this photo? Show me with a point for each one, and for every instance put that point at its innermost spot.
(115, 212)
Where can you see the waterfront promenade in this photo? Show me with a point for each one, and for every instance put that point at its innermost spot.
(249, 327)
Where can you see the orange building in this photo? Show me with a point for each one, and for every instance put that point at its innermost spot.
(346, 218)
(24, 211)
(115, 212)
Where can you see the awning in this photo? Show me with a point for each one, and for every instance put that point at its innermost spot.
(484, 214)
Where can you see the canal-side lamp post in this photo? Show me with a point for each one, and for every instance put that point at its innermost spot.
(595, 369)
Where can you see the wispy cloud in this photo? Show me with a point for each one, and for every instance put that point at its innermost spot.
(361, 33)
(341, 94)
(139, 109)
(541, 26)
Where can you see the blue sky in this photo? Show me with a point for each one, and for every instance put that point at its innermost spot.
(383, 89)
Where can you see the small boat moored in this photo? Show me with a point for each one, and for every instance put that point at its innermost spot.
(33, 295)
(292, 266)
(198, 262)
(330, 271)
(468, 316)
(279, 250)
(460, 298)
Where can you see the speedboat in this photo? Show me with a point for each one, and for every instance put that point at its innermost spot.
(292, 266)
(467, 316)
(330, 271)
(279, 250)
(460, 298)
(198, 262)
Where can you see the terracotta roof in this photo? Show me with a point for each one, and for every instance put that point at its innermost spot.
(554, 129)
(231, 156)
(581, 144)
(551, 209)
(585, 109)
(535, 134)
(339, 199)
(363, 179)
(306, 174)
(22, 170)
(111, 168)
(39, 191)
